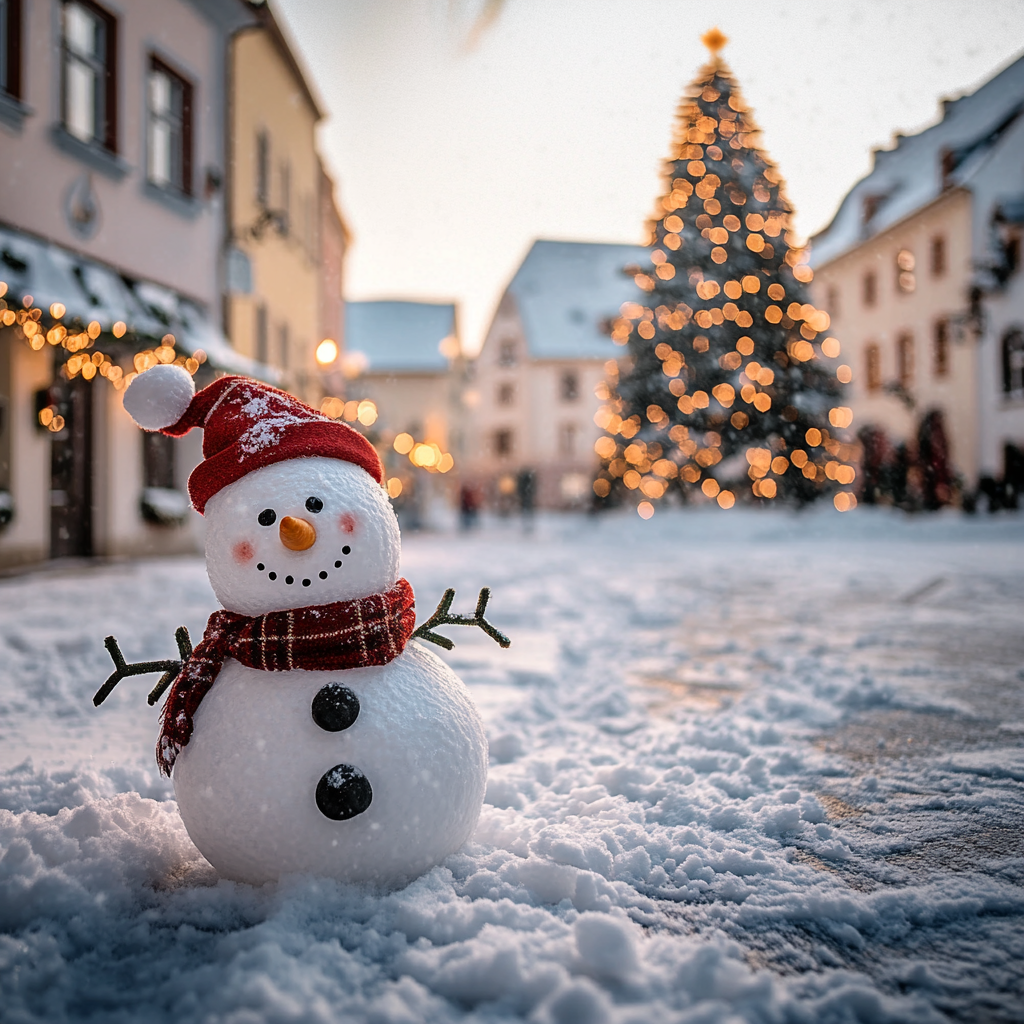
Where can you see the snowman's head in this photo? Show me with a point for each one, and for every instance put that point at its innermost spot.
(305, 531)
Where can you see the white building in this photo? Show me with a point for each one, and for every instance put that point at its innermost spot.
(533, 383)
(920, 272)
(112, 162)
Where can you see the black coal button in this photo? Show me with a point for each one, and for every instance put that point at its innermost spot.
(343, 792)
(335, 707)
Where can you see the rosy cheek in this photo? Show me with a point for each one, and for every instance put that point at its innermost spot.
(243, 551)
(348, 522)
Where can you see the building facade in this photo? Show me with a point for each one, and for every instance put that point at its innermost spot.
(287, 239)
(534, 386)
(112, 164)
(920, 272)
(405, 360)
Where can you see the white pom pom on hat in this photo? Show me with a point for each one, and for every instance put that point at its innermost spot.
(159, 397)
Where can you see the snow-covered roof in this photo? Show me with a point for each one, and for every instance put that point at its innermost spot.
(565, 291)
(921, 166)
(400, 337)
(94, 291)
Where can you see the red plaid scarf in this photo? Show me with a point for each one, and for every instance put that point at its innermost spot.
(346, 634)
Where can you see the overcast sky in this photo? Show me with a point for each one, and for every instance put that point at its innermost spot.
(452, 155)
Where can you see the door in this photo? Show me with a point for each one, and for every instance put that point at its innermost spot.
(71, 470)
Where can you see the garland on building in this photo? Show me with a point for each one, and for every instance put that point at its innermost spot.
(726, 389)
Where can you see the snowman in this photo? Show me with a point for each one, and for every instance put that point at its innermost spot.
(306, 732)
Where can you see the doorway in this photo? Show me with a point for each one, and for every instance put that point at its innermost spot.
(71, 466)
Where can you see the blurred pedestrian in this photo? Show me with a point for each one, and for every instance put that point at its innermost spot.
(526, 488)
(469, 506)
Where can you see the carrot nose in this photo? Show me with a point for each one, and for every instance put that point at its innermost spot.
(297, 534)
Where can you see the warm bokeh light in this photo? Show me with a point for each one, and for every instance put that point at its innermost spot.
(840, 417)
(394, 486)
(326, 352)
(366, 413)
(333, 407)
(403, 443)
(645, 510)
(449, 347)
(354, 363)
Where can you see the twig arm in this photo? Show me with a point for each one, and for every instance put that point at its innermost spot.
(443, 617)
(168, 668)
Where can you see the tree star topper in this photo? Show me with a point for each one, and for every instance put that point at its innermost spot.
(714, 39)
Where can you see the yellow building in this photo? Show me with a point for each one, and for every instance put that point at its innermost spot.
(276, 197)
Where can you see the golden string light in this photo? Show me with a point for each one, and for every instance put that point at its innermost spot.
(79, 341)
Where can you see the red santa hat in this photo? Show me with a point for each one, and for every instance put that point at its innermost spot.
(246, 425)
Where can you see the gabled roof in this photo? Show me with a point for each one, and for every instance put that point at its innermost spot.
(279, 35)
(400, 337)
(566, 291)
(921, 166)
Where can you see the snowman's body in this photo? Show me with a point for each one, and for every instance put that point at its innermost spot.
(247, 781)
(391, 779)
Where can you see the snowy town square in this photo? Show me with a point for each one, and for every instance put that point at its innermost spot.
(754, 767)
(511, 511)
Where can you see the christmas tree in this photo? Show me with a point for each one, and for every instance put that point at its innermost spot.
(726, 388)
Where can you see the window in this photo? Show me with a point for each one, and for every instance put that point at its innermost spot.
(506, 394)
(938, 256)
(1013, 362)
(89, 91)
(940, 350)
(261, 334)
(905, 360)
(282, 335)
(947, 163)
(10, 48)
(874, 366)
(284, 220)
(263, 169)
(503, 443)
(169, 128)
(567, 435)
(870, 206)
(905, 263)
(507, 355)
(870, 288)
(569, 386)
(309, 227)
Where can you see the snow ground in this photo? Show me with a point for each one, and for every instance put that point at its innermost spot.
(745, 767)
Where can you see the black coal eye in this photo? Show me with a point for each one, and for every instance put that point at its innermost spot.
(267, 517)
(314, 505)
(346, 550)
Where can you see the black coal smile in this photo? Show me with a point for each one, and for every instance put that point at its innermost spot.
(306, 581)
